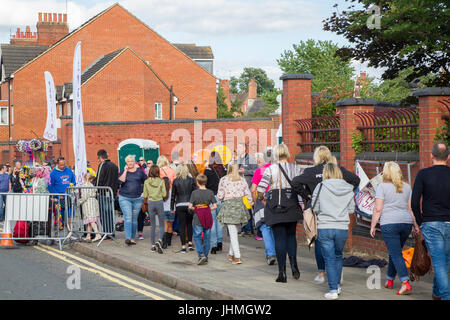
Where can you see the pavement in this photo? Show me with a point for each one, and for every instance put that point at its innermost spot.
(252, 280)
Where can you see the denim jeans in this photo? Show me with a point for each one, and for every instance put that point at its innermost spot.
(395, 236)
(249, 226)
(201, 249)
(319, 257)
(437, 240)
(269, 241)
(332, 242)
(2, 208)
(130, 208)
(217, 229)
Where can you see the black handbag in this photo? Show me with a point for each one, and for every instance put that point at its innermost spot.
(282, 200)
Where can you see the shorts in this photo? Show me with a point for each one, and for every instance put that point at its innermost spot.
(169, 216)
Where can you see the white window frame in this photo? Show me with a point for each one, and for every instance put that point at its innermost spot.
(158, 111)
(7, 117)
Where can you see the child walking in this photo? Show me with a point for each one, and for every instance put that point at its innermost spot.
(90, 207)
(202, 202)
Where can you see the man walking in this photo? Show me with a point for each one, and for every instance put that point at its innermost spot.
(247, 167)
(432, 185)
(107, 176)
(17, 183)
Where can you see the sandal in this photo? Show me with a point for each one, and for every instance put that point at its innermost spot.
(96, 239)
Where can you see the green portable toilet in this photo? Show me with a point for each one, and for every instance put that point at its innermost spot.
(140, 148)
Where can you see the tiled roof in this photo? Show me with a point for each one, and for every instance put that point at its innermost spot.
(195, 52)
(257, 105)
(14, 56)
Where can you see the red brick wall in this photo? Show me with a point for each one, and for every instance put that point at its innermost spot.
(108, 136)
(111, 31)
(125, 90)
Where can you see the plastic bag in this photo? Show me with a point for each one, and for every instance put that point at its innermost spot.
(421, 261)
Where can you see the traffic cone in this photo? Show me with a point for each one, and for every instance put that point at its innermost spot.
(6, 243)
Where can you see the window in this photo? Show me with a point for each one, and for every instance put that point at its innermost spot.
(158, 110)
(4, 116)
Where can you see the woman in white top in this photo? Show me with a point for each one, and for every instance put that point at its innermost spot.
(282, 209)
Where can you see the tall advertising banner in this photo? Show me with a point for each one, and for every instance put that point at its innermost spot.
(50, 127)
(79, 144)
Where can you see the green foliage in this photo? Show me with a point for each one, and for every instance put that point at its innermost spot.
(240, 84)
(222, 108)
(412, 34)
(443, 133)
(318, 58)
(357, 141)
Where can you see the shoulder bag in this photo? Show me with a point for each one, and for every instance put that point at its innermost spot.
(282, 200)
(310, 221)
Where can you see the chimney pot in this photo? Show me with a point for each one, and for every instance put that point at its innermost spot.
(55, 17)
(49, 15)
(40, 17)
(59, 17)
(65, 17)
(45, 17)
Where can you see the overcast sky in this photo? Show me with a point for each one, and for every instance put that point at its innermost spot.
(242, 33)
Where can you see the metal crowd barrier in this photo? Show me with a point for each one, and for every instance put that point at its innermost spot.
(92, 205)
(37, 216)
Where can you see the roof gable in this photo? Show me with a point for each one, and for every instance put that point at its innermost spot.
(15, 56)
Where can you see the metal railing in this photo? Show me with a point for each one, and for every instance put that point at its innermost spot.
(37, 216)
(390, 131)
(93, 212)
(319, 131)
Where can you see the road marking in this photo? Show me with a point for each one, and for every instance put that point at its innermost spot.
(113, 273)
(107, 274)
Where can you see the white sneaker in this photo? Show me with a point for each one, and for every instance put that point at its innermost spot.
(318, 279)
(339, 290)
(331, 295)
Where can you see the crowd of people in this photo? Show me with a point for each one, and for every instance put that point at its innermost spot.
(264, 196)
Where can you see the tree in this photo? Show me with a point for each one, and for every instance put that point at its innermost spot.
(412, 34)
(222, 108)
(318, 58)
(262, 80)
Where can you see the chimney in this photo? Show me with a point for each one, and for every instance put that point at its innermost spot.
(52, 28)
(24, 38)
(225, 85)
(252, 89)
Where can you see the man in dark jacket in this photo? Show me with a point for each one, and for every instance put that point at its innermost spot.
(432, 186)
(305, 184)
(108, 176)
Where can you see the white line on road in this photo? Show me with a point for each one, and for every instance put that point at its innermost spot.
(107, 274)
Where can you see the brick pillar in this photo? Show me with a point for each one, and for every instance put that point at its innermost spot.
(347, 109)
(296, 105)
(430, 119)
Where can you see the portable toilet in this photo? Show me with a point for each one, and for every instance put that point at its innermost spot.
(140, 148)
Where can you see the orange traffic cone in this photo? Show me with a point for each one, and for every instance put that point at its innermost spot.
(6, 243)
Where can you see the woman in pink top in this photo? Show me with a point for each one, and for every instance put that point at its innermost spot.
(232, 188)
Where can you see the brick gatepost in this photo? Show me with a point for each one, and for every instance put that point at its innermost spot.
(296, 105)
(347, 109)
(430, 119)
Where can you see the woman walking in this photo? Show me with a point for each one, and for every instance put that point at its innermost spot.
(333, 201)
(214, 172)
(282, 209)
(131, 181)
(232, 188)
(392, 203)
(182, 188)
(166, 171)
(154, 192)
(305, 184)
(90, 207)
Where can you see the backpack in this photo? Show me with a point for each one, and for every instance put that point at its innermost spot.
(38, 228)
(21, 230)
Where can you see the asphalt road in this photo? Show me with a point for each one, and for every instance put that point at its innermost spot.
(41, 272)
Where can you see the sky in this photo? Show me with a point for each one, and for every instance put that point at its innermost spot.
(242, 33)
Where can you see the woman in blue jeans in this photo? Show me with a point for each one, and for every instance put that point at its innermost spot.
(392, 203)
(131, 181)
(333, 201)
